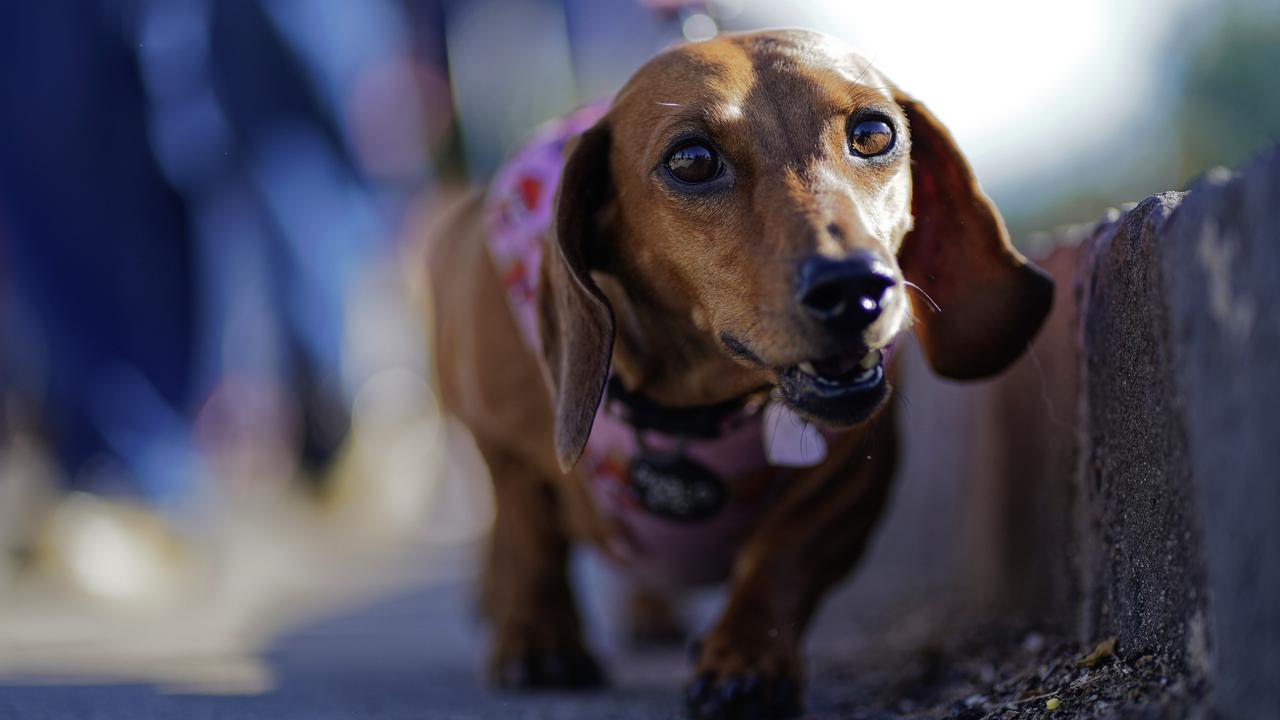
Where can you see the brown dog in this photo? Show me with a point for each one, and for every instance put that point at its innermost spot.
(740, 228)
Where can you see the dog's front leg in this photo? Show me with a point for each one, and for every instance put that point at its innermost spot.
(749, 664)
(537, 638)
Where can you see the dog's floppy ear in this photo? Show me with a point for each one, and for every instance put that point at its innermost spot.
(990, 299)
(575, 321)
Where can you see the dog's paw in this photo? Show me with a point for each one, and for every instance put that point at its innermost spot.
(732, 684)
(750, 695)
(568, 667)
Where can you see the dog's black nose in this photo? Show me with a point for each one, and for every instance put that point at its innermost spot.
(844, 293)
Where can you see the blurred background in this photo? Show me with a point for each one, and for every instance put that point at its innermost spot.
(216, 414)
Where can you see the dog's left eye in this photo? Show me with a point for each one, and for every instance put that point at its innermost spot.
(871, 137)
(694, 163)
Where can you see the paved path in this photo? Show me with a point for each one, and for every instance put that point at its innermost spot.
(417, 655)
(413, 656)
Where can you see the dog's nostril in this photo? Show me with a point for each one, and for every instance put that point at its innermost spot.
(827, 299)
(838, 299)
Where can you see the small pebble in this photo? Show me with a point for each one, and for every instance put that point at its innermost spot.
(1033, 642)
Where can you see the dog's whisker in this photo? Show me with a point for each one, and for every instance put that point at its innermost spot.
(1045, 395)
(920, 290)
(906, 404)
(668, 104)
(867, 69)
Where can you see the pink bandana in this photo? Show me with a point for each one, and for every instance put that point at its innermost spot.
(754, 453)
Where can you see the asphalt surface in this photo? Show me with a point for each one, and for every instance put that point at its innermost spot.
(414, 655)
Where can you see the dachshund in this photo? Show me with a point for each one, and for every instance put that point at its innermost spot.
(669, 326)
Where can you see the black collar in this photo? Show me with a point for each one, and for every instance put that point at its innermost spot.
(698, 421)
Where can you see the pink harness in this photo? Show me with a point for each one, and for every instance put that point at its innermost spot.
(755, 451)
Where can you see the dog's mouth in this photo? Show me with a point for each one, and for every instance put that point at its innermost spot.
(839, 390)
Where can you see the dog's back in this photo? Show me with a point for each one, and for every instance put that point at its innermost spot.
(487, 376)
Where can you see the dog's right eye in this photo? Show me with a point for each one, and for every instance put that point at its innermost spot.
(871, 137)
(694, 163)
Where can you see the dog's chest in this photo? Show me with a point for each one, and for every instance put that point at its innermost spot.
(682, 505)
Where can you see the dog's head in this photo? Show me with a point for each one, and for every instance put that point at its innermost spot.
(767, 210)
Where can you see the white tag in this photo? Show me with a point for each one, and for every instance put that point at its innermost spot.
(790, 441)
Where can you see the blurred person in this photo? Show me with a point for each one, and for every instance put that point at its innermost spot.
(187, 206)
(99, 245)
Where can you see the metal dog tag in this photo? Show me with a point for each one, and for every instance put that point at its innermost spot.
(675, 487)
